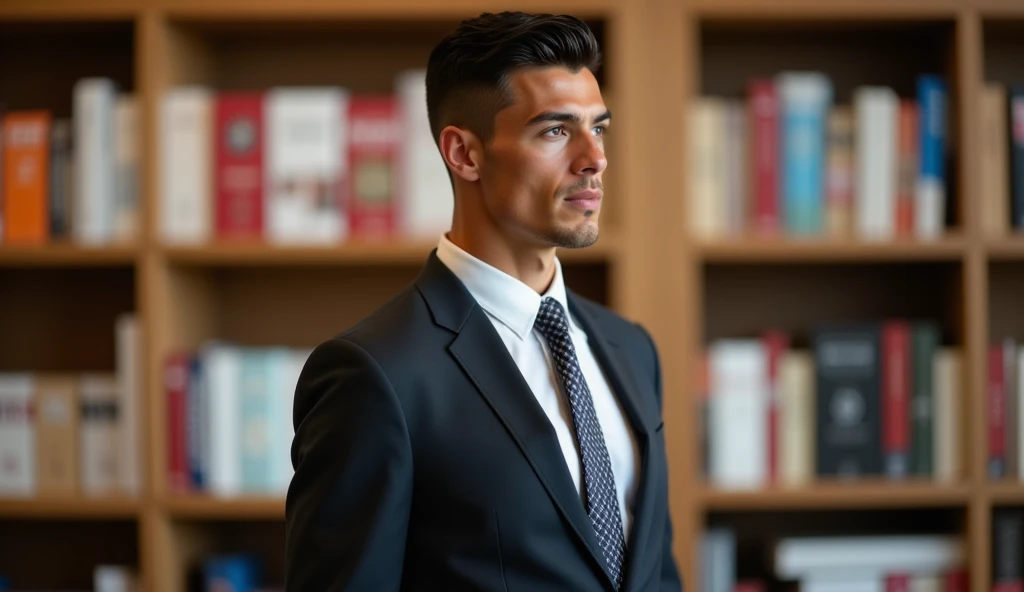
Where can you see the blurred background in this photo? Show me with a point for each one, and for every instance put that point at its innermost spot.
(814, 206)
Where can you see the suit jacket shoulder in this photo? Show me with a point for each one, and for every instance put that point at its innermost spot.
(633, 338)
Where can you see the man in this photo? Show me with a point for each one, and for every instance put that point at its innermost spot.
(487, 429)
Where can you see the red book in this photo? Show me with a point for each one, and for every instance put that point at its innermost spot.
(176, 378)
(371, 181)
(956, 581)
(907, 168)
(238, 168)
(996, 413)
(896, 389)
(763, 105)
(776, 343)
(897, 582)
(749, 586)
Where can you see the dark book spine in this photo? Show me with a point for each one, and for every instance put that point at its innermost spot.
(848, 376)
(925, 343)
(1007, 532)
(1016, 135)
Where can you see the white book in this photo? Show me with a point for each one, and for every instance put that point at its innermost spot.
(736, 177)
(221, 371)
(306, 138)
(282, 376)
(186, 165)
(114, 578)
(426, 197)
(718, 560)
(850, 584)
(17, 436)
(927, 583)
(948, 377)
(796, 418)
(738, 417)
(875, 113)
(706, 173)
(94, 167)
(126, 165)
(128, 344)
(100, 438)
(858, 557)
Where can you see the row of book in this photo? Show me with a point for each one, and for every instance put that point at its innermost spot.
(76, 178)
(865, 400)
(1001, 115)
(309, 165)
(105, 578)
(64, 435)
(788, 159)
(1005, 417)
(229, 418)
(853, 563)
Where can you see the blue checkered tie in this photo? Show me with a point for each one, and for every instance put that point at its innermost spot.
(599, 481)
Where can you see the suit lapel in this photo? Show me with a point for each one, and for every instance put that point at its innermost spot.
(627, 390)
(479, 351)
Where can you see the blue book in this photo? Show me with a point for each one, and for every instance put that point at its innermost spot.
(930, 203)
(805, 100)
(232, 573)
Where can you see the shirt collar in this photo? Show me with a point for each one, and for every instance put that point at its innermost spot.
(506, 298)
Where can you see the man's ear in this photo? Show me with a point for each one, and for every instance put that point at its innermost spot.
(462, 152)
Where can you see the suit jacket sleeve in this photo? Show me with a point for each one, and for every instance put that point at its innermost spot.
(347, 509)
(670, 581)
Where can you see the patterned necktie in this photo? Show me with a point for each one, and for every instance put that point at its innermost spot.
(599, 481)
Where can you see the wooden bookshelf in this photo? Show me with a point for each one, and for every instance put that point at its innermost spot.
(66, 255)
(241, 508)
(71, 508)
(58, 302)
(839, 496)
(784, 250)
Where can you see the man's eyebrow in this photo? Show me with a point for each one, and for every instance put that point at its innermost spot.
(565, 117)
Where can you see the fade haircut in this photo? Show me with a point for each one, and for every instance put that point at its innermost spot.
(468, 72)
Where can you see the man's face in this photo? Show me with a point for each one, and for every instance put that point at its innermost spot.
(541, 176)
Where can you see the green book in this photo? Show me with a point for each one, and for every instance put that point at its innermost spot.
(925, 338)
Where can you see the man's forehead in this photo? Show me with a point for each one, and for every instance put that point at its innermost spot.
(554, 87)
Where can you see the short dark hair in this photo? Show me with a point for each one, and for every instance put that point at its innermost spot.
(468, 72)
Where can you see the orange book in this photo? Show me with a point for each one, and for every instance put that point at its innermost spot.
(26, 170)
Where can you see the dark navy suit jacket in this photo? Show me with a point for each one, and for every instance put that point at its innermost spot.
(423, 461)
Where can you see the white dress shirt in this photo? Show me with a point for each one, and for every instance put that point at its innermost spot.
(512, 307)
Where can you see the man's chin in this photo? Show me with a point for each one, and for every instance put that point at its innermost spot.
(577, 238)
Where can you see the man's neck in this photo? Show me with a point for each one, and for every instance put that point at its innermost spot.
(534, 266)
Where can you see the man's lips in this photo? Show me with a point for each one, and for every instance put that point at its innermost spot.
(588, 199)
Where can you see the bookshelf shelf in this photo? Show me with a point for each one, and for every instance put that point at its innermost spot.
(839, 496)
(67, 255)
(809, 9)
(755, 250)
(71, 508)
(351, 253)
(241, 508)
(1006, 249)
(1005, 492)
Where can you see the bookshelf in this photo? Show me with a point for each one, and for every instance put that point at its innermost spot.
(58, 302)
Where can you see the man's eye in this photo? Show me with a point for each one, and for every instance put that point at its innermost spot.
(557, 131)
(600, 130)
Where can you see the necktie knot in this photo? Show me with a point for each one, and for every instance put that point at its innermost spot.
(551, 321)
